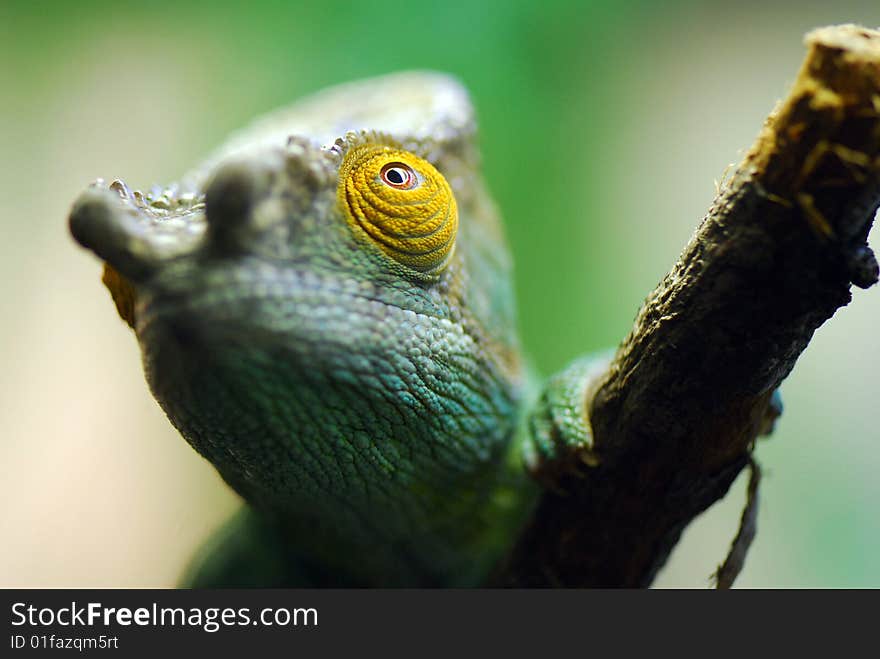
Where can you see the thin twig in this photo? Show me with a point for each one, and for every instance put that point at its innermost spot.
(727, 573)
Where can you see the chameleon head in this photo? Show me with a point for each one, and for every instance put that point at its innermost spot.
(331, 326)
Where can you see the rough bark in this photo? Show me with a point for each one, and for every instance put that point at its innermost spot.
(675, 417)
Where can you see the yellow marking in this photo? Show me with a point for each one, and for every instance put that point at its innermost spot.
(122, 293)
(814, 217)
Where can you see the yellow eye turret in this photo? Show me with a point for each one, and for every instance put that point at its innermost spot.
(402, 203)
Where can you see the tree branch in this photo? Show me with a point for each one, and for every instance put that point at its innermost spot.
(675, 417)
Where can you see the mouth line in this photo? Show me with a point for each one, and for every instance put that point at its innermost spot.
(284, 292)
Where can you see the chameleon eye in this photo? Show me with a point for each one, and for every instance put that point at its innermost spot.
(398, 175)
(402, 204)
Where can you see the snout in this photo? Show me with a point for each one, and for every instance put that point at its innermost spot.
(135, 233)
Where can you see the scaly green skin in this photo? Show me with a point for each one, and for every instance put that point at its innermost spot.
(373, 419)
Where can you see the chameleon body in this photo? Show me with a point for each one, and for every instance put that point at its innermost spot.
(325, 312)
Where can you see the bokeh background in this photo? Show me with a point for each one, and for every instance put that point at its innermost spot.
(604, 125)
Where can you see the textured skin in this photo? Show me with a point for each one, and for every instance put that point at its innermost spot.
(367, 404)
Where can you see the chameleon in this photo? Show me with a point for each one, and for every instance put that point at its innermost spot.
(325, 312)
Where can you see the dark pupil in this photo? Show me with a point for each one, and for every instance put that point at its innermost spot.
(395, 176)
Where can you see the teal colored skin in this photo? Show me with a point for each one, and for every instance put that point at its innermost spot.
(374, 420)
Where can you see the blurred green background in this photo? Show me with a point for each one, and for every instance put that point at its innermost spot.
(604, 126)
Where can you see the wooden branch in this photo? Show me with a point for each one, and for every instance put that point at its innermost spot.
(675, 417)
